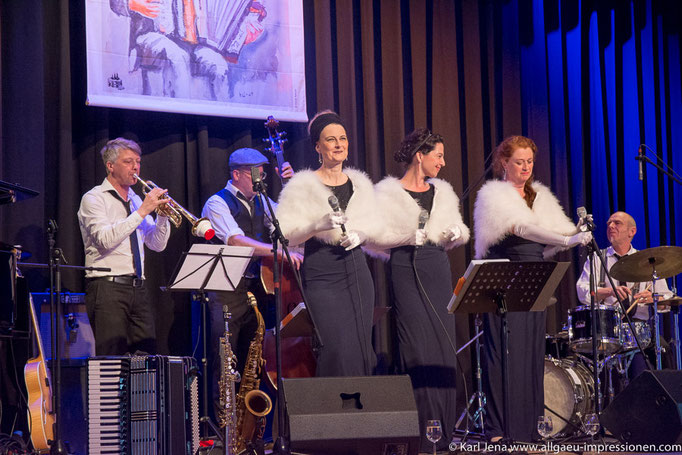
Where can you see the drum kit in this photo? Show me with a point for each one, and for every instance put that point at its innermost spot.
(569, 384)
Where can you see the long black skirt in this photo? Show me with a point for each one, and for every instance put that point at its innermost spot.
(340, 293)
(426, 334)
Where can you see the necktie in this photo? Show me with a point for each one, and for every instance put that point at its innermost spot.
(134, 246)
(251, 203)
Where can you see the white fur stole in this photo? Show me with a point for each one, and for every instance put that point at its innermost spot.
(399, 214)
(499, 207)
(304, 201)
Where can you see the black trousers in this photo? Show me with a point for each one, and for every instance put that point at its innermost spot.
(121, 317)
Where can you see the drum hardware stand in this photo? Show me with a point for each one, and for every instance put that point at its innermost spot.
(282, 442)
(475, 419)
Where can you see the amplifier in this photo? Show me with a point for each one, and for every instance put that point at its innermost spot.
(75, 332)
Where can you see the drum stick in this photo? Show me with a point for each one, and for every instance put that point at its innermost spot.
(634, 304)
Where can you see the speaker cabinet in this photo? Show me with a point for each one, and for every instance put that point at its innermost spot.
(352, 415)
(649, 410)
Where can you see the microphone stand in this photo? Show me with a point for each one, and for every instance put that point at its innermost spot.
(642, 158)
(594, 250)
(282, 443)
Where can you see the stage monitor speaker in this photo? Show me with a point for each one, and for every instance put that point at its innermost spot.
(352, 415)
(649, 410)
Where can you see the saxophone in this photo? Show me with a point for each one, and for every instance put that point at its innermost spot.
(229, 376)
(252, 404)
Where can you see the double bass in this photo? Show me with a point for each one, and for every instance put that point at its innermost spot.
(298, 359)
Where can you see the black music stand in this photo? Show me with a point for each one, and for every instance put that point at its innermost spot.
(210, 268)
(501, 287)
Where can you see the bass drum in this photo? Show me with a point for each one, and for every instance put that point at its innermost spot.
(569, 393)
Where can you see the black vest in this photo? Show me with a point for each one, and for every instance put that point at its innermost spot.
(253, 224)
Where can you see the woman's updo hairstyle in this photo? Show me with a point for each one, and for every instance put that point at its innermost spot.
(420, 140)
(320, 121)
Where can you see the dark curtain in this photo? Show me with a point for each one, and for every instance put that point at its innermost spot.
(588, 81)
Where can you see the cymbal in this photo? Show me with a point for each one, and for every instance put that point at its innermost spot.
(672, 301)
(637, 267)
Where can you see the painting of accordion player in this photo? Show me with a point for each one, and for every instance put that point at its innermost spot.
(234, 58)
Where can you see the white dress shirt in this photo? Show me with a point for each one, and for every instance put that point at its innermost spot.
(583, 284)
(218, 212)
(106, 227)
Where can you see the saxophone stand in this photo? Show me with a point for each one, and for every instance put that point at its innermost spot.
(210, 268)
(282, 443)
(501, 286)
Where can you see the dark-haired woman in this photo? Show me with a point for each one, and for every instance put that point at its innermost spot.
(421, 221)
(337, 281)
(518, 219)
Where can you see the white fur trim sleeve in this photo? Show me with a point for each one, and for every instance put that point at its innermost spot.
(499, 207)
(399, 215)
(304, 201)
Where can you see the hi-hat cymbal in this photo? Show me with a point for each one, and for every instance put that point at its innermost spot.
(637, 267)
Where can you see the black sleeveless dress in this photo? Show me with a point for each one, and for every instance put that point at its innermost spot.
(526, 356)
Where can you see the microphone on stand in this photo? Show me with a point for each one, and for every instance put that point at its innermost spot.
(640, 158)
(334, 203)
(587, 221)
(257, 179)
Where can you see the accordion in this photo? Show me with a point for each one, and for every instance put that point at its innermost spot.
(142, 405)
(216, 23)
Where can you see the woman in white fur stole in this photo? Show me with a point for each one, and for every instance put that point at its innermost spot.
(420, 221)
(336, 279)
(521, 220)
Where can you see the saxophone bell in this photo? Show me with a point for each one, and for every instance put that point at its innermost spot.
(201, 227)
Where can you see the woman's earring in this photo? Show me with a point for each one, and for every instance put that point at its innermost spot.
(319, 158)
(504, 174)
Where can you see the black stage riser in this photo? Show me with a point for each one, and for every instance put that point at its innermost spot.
(649, 410)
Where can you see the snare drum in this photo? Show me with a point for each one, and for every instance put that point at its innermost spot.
(569, 393)
(609, 338)
(643, 332)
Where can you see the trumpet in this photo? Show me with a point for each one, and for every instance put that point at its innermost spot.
(201, 227)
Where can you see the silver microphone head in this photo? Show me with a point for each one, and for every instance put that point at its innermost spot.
(582, 212)
(334, 203)
(423, 218)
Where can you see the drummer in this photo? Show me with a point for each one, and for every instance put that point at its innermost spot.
(620, 230)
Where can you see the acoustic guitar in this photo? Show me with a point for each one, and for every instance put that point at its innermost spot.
(38, 386)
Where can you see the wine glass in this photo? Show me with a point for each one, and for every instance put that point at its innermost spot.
(434, 431)
(545, 427)
(591, 424)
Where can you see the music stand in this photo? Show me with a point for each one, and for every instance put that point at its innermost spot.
(210, 268)
(502, 287)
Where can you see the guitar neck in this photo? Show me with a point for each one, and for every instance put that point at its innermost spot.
(36, 328)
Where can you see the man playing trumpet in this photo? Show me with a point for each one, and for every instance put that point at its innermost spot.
(115, 225)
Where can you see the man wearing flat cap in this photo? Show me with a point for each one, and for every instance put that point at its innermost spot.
(240, 217)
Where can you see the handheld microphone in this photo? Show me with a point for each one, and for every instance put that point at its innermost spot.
(334, 203)
(640, 158)
(423, 218)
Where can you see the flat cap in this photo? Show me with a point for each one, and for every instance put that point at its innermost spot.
(247, 157)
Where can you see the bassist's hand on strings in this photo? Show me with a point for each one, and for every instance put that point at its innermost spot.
(287, 171)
